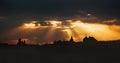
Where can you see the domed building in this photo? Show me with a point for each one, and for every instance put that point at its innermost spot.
(89, 41)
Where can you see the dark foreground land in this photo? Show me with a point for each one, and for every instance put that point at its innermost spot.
(37, 54)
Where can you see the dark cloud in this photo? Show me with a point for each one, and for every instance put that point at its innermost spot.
(13, 13)
(99, 8)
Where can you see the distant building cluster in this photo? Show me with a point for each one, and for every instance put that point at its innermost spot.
(88, 42)
(21, 42)
(64, 41)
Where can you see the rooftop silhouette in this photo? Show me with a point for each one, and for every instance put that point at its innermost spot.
(88, 42)
(21, 42)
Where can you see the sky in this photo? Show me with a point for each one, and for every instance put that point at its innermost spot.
(42, 21)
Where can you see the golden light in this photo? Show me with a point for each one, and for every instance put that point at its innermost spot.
(80, 29)
(32, 24)
(54, 23)
(38, 24)
(65, 29)
(29, 25)
(89, 14)
(77, 24)
(68, 33)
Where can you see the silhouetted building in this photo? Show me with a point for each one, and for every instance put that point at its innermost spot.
(71, 40)
(89, 41)
(20, 42)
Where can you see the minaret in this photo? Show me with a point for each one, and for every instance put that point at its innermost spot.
(19, 40)
(24, 42)
(71, 40)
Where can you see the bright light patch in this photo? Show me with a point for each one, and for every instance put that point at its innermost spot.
(29, 25)
(60, 30)
(54, 23)
(32, 24)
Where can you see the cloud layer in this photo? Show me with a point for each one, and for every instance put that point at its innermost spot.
(37, 32)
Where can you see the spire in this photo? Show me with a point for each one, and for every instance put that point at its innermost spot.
(71, 39)
(24, 41)
(19, 40)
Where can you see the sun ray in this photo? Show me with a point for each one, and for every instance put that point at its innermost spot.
(50, 34)
(76, 35)
(63, 30)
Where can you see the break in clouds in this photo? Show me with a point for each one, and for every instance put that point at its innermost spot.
(42, 32)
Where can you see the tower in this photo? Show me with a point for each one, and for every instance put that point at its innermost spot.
(20, 42)
(71, 40)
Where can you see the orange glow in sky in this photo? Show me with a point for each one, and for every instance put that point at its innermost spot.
(63, 30)
(32, 24)
(29, 25)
